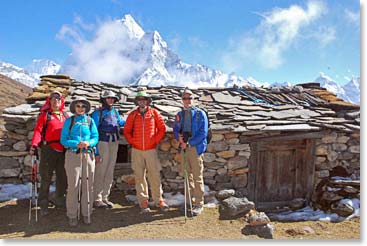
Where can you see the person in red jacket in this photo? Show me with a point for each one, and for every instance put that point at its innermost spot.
(46, 135)
(144, 129)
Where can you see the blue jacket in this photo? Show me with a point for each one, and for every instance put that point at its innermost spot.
(107, 127)
(199, 128)
(80, 127)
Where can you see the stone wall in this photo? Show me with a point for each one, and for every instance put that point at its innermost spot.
(225, 161)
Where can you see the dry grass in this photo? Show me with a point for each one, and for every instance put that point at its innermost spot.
(125, 222)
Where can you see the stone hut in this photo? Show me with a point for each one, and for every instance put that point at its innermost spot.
(273, 145)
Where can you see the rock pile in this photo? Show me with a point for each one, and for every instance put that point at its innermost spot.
(232, 207)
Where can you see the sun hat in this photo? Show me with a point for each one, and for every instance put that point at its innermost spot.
(79, 99)
(106, 94)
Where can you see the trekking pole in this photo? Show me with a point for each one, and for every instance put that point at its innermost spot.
(33, 184)
(80, 177)
(88, 202)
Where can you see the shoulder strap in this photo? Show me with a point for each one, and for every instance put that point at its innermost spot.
(44, 129)
(71, 123)
(65, 114)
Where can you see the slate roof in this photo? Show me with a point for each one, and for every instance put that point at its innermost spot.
(305, 107)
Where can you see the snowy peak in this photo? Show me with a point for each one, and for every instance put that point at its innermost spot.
(133, 29)
(18, 74)
(30, 75)
(350, 92)
(329, 84)
(40, 67)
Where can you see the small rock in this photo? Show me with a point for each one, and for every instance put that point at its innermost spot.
(224, 194)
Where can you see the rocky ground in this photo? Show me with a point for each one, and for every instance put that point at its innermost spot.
(125, 222)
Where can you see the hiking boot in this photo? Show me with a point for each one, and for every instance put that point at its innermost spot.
(44, 211)
(162, 205)
(144, 207)
(196, 210)
(73, 222)
(99, 204)
(108, 203)
(86, 221)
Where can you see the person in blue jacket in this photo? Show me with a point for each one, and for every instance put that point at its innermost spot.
(191, 129)
(109, 123)
(79, 136)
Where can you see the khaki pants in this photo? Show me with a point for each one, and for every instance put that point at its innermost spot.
(103, 176)
(195, 168)
(146, 165)
(72, 167)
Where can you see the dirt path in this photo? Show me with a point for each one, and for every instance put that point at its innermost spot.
(125, 222)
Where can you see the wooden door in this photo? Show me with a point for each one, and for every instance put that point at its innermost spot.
(281, 171)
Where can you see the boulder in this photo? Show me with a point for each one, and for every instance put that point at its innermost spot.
(263, 231)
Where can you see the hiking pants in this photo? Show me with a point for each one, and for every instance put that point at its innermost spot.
(72, 167)
(52, 160)
(146, 165)
(103, 176)
(195, 167)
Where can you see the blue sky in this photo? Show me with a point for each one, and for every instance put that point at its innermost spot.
(271, 41)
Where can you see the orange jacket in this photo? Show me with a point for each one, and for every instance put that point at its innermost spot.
(144, 133)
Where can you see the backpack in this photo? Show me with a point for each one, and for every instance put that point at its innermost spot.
(48, 118)
(210, 133)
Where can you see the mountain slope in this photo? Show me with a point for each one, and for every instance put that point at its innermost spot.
(12, 92)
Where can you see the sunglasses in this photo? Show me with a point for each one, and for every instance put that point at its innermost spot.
(56, 98)
(187, 98)
(80, 106)
(141, 99)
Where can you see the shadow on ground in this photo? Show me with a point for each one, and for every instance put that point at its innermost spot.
(14, 218)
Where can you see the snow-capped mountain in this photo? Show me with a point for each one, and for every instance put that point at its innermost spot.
(40, 67)
(29, 75)
(350, 92)
(138, 57)
(18, 74)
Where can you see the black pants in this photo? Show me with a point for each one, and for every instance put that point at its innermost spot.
(52, 160)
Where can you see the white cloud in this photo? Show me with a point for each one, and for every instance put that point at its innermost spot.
(174, 42)
(105, 57)
(352, 17)
(324, 35)
(197, 42)
(347, 78)
(279, 30)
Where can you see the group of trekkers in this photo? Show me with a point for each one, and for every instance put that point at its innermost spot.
(82, 150)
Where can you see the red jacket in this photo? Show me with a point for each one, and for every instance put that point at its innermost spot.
(53, 131)
(144, 133)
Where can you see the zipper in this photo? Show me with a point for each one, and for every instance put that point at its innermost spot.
(143, 119)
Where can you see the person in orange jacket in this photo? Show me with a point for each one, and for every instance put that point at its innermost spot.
(144, 129)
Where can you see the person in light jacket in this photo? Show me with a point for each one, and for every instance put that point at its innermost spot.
(109, 122)
(79, 136)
